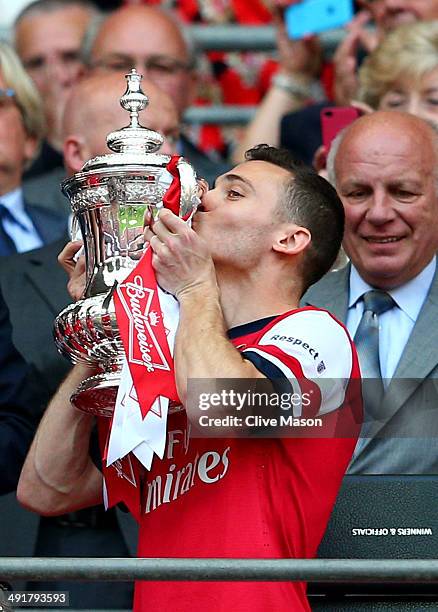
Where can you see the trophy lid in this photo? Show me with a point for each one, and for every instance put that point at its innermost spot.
(134, 173)
(131, 144)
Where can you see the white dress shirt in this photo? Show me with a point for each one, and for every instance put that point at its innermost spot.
(23, 233)
(395, 325)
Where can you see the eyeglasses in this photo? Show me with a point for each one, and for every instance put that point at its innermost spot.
(158, 65)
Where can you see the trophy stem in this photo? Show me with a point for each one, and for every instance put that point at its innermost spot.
(97, 394)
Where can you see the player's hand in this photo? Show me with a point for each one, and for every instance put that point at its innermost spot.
(296, 57)
(181, 259)
(345, 57)
(74, 265)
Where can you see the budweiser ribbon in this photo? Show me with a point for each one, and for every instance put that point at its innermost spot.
(147, 319)
(172, 197)
(141, 327)
(130, 431)
(140, 320)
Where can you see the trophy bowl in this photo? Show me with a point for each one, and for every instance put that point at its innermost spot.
(109, 199)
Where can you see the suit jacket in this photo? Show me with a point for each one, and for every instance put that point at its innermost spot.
(47, 160)
(44, 190)
(34, 288)
(49, 225)
(406, 442)
(18, 414)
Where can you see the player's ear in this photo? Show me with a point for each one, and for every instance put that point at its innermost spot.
(292, 239)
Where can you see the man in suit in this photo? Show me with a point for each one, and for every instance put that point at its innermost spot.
(34, 287)
(45, 191)
(384, 167)
(22, 226)
(21, 402)
(150, 40)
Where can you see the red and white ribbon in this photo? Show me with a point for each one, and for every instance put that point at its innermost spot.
(147, 318)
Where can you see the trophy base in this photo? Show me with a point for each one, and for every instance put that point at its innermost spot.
(97, 395)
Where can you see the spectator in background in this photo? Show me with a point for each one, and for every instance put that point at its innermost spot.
(22, 226)
(298, 82)
(47, 37)
(282, 121)
(34, 287)
(226, 77)
(384, 167)
(386, 15)
(402, 73)
(152, 41)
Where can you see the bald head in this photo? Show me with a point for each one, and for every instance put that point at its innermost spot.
(93, 110)
(150, 40)
(386, 176)
(371, 130)
(391, 120)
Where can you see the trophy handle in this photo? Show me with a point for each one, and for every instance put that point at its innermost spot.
(189, 200)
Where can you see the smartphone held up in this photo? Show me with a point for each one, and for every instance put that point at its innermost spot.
(315, 16)
(333, 120)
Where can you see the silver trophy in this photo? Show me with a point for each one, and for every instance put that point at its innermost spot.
(109, 199)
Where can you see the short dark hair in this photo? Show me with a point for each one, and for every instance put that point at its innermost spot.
(310, 201)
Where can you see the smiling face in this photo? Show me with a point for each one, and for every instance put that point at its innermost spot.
(238, 217)
(418, 97)
(386, 178)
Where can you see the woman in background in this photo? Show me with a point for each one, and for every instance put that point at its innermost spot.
(402, 73)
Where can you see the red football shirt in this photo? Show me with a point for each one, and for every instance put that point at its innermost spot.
(255, 498)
